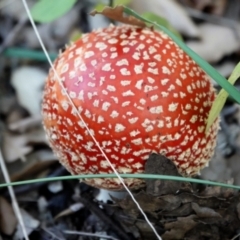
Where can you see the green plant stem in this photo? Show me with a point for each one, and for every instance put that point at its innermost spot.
(142, 176)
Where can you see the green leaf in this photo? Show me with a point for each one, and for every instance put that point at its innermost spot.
(201, 62)
(161, 21)
(221, 98)
(45, 11)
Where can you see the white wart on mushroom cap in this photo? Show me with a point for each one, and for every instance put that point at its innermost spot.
(139, 93)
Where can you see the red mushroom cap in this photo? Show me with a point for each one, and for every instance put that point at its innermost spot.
(139, 93)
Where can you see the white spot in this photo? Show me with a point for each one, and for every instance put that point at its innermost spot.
(126, 49)
(105, 92)
(183, 75)
(201, 129)
(152, 64)
(149, 128)
(72, 95)
(90, 84)
(125, 82)
(189, 89)
(136, 56)
(88, 54)
(142, 101)
(101, 46)
(182, 94)
(124, 104)
(138, 69)
(129, 113)
(112, 41)
(122, 62)
(164, 81)
(105, 106)
(157, 57)
(96, 103)
(152, 50)
(154, 97)
(83, 67)
(114, 114)
(111, 88)
(172, 87)
(114, 55)
(94, 62)
(104, 54)
(115, 99)
(128, 93)
(119, 127)
(164, 94)
(83, 157)
(166, 70)
(176, 122)
(64, 68)
(81, 95)
(150, 80)
(153, 70)
(124, 71)
(172, 107)
(134, 133)
(88, 114)
(137, 141)
(100, 119)
(156, 110)
(188, 106)
(160, 124)
(133, 120)
(137, 165)
(139, 84)
(107, 67)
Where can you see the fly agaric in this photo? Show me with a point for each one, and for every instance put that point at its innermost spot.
(138, 93)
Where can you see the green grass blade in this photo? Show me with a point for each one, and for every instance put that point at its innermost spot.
(221, 99)
(235, 94)
(141, 176)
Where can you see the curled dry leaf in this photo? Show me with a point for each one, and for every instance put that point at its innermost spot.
(8, 220)
(117, 14)
(205, 212)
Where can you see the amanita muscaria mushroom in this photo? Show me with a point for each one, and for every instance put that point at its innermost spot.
(139, 93)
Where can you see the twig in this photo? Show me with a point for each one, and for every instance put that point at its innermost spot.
(89, 234)
(13, 197)
(235, 237)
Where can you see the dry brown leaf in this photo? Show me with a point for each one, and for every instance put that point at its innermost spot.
(117, 14)
(178, 229)
(205, 212)
(8, 220)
